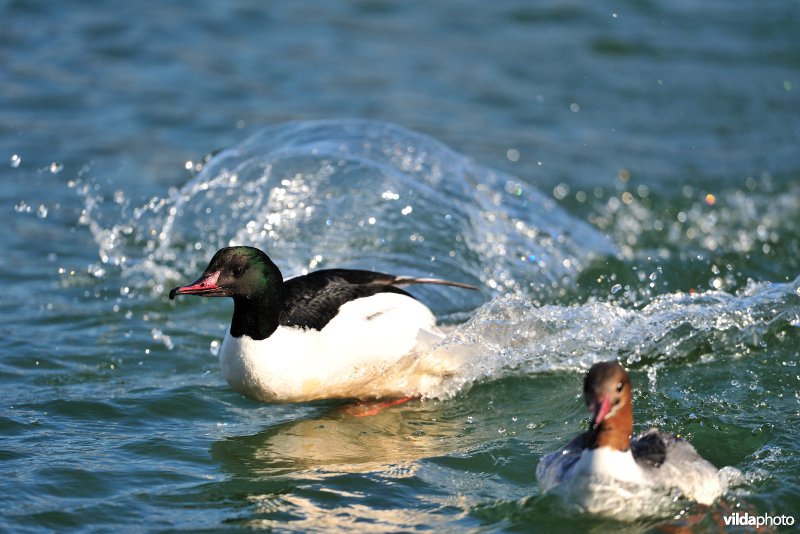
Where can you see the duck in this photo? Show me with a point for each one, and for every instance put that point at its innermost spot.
(332, 333)
(605, 471)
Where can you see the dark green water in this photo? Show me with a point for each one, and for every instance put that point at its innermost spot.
(623, 184)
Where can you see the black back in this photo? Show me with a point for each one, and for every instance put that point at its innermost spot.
(311, 301)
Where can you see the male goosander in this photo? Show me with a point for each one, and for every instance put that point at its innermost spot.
(604, 471)
(336, 333)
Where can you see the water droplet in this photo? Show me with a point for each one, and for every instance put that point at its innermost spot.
(214, 348)
(56, 167)
(615, 288)
(42, 211)
(15, 161)
(22, 207)
(560, 191)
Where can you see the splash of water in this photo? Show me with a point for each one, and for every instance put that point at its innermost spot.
(353, 193)
(760, 219)
(512, 336)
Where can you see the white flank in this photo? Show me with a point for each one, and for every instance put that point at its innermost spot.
(366, 351)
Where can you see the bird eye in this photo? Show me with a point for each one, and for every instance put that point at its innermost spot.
(619, 386)
(238, 271)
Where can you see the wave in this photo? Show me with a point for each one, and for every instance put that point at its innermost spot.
(359, 193)
(510, 335)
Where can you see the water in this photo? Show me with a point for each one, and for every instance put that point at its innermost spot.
(620, 179)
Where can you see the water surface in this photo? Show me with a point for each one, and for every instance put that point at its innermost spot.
(620, 179)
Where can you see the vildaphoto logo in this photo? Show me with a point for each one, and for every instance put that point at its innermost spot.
(764, 520)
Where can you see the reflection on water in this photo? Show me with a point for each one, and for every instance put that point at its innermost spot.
(347, 471)
(339, 442)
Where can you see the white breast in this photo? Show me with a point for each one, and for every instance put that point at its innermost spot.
(608, 482)
(364, 352)
(602, 481)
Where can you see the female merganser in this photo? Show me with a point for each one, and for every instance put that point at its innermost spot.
(336, 333)
(603, 471)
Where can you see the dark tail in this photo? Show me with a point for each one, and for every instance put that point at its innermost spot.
(408, 280)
